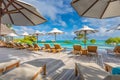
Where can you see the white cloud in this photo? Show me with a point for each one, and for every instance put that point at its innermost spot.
(102, 31)
(72, 21)
(72, 33)
(24, 29)
(63, 23)
(60, 23)
(51, 8)
(102, 22)
(75, 27)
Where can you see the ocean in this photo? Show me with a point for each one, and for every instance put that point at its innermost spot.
(69, 43)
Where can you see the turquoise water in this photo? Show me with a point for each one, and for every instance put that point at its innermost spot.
(69, 44)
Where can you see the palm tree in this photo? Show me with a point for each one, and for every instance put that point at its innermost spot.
(78, 37)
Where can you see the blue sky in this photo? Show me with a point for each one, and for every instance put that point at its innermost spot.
(61, 15)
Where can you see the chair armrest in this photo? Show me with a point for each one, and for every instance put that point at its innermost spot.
(112, 77)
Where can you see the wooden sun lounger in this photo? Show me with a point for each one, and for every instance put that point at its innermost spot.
(116, 50)
(89, 71)
(30, 47)
(2, 44)
(92, 71)
(37, 47)
(47, 48)
(109, 66)
(25, 72)
(21, 46)
(92, 50)
(57, 48)
(77, 49)
(6, 66)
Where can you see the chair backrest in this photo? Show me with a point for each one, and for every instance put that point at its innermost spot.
(77, 47)
(117, 49)
(47, 46)
(30, 45)
(36, 46)
(17, 44)
(57, 46)
(92, 48)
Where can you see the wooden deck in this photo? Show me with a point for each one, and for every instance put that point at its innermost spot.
(60, 66)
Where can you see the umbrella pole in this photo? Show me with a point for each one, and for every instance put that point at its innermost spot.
(0, 15)
(37, 38)
(55, 37)
(85, 40)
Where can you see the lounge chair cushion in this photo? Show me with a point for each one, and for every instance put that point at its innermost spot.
(8, 65)
(92, 48)
(91, 71)
(24, 72)
(2, 68)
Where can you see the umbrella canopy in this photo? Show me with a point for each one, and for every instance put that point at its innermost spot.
(19, 13)
(12, 35)
(115, 28)
(25, 34)
(85, 30)
(5, 30)
(55, 31)
(97, 8)
(38, 33)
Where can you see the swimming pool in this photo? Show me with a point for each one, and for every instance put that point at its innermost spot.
(69, 43)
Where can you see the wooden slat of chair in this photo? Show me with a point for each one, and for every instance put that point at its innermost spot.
(9, 67)
(92, 49)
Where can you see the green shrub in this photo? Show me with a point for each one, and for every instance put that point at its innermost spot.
(67, 41)
(27, 40)
(93, 41)
(113, 40)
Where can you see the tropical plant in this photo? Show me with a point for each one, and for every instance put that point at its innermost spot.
(84, 41)
(27, 39)
(31, 38)
(67, 41)
(78, 37)
(111, 40)
(93, 41)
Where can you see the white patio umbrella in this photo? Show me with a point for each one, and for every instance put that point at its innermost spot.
(5, 30)
(25, 34)
(85, 30)
(115, 28)
(37, 33)
(19, 13)
(97, 8)
(12, 35)
(55, 32)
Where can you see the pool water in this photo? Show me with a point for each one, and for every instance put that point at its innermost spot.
(69, 44)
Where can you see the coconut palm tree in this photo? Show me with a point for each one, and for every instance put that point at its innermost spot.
(78, 37)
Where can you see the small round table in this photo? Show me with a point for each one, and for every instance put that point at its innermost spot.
(84, 52)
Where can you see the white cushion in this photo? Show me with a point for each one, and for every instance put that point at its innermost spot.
(3, 65)
(91, 71)
(24, 72)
